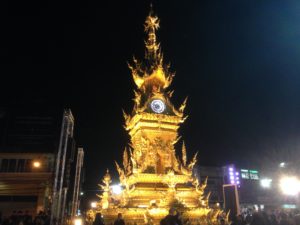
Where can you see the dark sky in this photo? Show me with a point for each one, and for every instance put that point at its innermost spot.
(238, 61)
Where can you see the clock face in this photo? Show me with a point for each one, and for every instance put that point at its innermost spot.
(158, 106)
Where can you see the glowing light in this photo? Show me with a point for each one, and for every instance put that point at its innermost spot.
(289, 185)
(156, 211)
(81, 193)
(266, 182)
(78, 221)
(289, 206)
(230, 169)
(94, 204)
(282, 164)
(116, 189)
(36, 164)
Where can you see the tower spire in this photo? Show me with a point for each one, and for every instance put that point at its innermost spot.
(152, 46)
(151, 75)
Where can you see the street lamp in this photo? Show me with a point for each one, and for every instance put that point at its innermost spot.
(266, 182)
(94, 205)
(289, 185)
(36, 164)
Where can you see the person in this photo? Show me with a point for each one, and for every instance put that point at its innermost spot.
(284, 219)
(234, 220)
(119, 220)
(27, 218)
(297, 219)
(98, 219)
(170, 219)
(222, 221)
(14, 218)
(20, 220)
(248, 220)
(257, 219)
(187, 222)
(273, 219)
(178, 218)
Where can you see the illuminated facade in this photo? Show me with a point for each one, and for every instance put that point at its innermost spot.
(152, 176)
(25, 182)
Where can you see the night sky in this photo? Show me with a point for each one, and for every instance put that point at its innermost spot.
(237, 61)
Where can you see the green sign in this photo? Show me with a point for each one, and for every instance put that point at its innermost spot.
(249, 174)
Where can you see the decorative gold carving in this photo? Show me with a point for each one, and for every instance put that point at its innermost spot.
(200, 188)
(183, 105)
(183, 154)
(193, 162)
(126, 163)
(121, 173)
(152, 176)
(156, 76)
(105, 197)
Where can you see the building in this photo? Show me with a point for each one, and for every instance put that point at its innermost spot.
(26, 182)
(215, 181)
(40, 163)
(29, 129)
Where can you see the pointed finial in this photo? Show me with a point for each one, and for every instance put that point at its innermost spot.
(107, 178)
(151, 7)
(151, 25)
(151, 75)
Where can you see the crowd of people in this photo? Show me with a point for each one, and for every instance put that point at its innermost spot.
(173, 218)
(268, 218)
(248, 218)
(25, 218)
(99, 220)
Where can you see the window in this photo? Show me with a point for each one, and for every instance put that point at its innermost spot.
(12, 165)
(28, 165)
(20, 165)
(4, 165)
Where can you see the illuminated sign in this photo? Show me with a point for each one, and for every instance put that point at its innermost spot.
(249, 174)
(289, 206)
(233, 175)
(245, 174)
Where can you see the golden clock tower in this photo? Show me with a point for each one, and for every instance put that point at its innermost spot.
(154, 121)
(152, 176)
